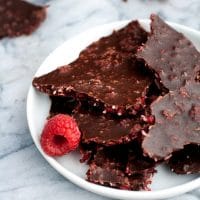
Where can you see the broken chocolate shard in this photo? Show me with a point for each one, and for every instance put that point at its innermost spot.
(102, 70)
(170, 55)
(138, 163)
(105, 176)
(117, 179)
(87, 152)
(19, 17)
(186, 161)
(113, 156)
(109, 168)
(177, 122)
(106, 130)
(176, 64)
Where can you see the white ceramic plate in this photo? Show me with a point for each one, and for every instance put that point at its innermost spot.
(165, 183)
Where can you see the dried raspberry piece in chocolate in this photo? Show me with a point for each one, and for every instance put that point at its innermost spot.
(186, 161)
(177, 122)
(106, 71)
(170, 54)
(105, 130)
(19, 17)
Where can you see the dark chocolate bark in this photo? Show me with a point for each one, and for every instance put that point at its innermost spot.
(117, 178)
(106, 130)
(106, 71)
(177, 122)
(170, 55)
(114, 159)
(87, 152)
(138, 163)
(109, 168)
(186, 161)
(64, 105)
(19, 17)
(115, 156)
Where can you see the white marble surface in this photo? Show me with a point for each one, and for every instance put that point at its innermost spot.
(24, 174)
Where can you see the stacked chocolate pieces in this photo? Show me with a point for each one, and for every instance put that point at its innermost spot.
(105, 90)
(176, 64)
(113, 89)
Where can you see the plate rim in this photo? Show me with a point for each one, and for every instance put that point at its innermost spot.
(102, 190)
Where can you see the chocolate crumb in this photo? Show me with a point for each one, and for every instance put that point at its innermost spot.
(19, 17)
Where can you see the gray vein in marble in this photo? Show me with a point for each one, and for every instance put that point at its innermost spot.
(21, 146)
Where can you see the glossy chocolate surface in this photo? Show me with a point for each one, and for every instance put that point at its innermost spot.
(107, 71)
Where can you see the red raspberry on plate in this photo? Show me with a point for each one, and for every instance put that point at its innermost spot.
(60, 135)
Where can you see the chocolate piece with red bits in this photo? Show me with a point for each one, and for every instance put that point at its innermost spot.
(170, 55)
(19, 17)
(115, 156)
(186, 161)
(117, 178)
(177, 122)
(109, 168)
(105, 72)
(106, 130)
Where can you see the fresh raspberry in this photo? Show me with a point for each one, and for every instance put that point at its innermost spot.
(60, 135)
